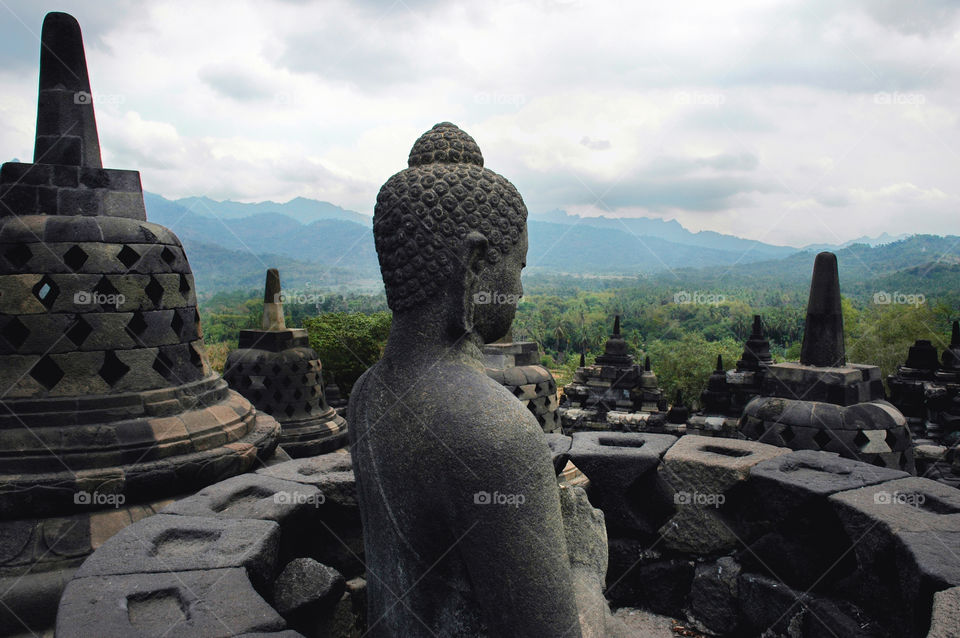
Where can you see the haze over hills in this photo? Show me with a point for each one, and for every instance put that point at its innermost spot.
(300, 208)
(231, 244)
(670, 230)
(879, 240)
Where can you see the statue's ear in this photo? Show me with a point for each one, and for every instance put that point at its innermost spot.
(475, 253)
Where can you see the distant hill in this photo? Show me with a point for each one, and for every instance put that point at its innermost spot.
(216, 268)
(232, 252)
(671, 230)
(879, 240)
(928, 264)
(614, 250)
(330, 242)
(301, 209)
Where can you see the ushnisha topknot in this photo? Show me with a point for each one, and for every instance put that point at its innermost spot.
(446, 143)
(424, 212)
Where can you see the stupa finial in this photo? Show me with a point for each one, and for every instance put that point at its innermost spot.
(66, 125)
(823, 332)
(272, 302)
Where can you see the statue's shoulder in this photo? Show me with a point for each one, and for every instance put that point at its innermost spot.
(359, 394)
(487, 415)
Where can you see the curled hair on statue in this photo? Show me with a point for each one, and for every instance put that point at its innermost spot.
(425, 213)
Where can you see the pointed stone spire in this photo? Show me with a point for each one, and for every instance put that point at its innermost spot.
(679, 413)
(715, 399)
(823, 332)
(615, 352)
(272, 302)
(951, 355)
(583, 359)
(646, 364)
(756, 352)
(66, 126)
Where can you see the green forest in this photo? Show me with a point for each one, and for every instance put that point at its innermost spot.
(681, 328)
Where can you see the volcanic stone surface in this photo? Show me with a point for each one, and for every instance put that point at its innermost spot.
(276, 369)
(170, 603)
(109, 400)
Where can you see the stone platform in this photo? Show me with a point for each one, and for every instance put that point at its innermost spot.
(686, 539)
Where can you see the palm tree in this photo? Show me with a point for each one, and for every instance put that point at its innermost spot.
(559, 335)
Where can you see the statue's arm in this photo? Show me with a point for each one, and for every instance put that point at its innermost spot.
(511, 530)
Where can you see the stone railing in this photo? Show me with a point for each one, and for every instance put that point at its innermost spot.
(739, 538)
(206, 565)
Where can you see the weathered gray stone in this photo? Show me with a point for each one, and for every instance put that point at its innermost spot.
(945, 620)
(771, 606)
(165, 543)
(586, 540)
(250, 496)
(331, 473)
(214, 603)
(306, 585)
(701, 471)
(825, 618)
(275, 368)
(823, 330)
(794, 481)
(559, 450)
(714, 604)
(907, 542)
(622, 467)
(458, 464)
(639, 574)
(98, 315)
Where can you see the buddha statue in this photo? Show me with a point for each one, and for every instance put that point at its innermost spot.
(464, 532)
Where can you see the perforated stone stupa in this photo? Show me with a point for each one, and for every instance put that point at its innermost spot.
(516, 365)
(108, 402)
(824, 403)
(277, 370)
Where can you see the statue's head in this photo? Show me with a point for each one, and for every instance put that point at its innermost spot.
(452, 236)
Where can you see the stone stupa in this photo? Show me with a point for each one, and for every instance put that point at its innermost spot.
(610, 383)
(277, 370)
(822, 402)
(651, 395)
(615, 393)
(109, 405)
(746, 381)
(516, 365)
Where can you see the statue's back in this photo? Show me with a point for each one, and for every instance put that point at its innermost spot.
(416, 579)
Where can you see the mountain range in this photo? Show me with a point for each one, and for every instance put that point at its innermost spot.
(230, 244)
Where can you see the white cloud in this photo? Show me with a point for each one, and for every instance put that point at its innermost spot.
(746, 117)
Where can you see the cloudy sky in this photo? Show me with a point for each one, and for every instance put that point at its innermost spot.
(790, 122)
